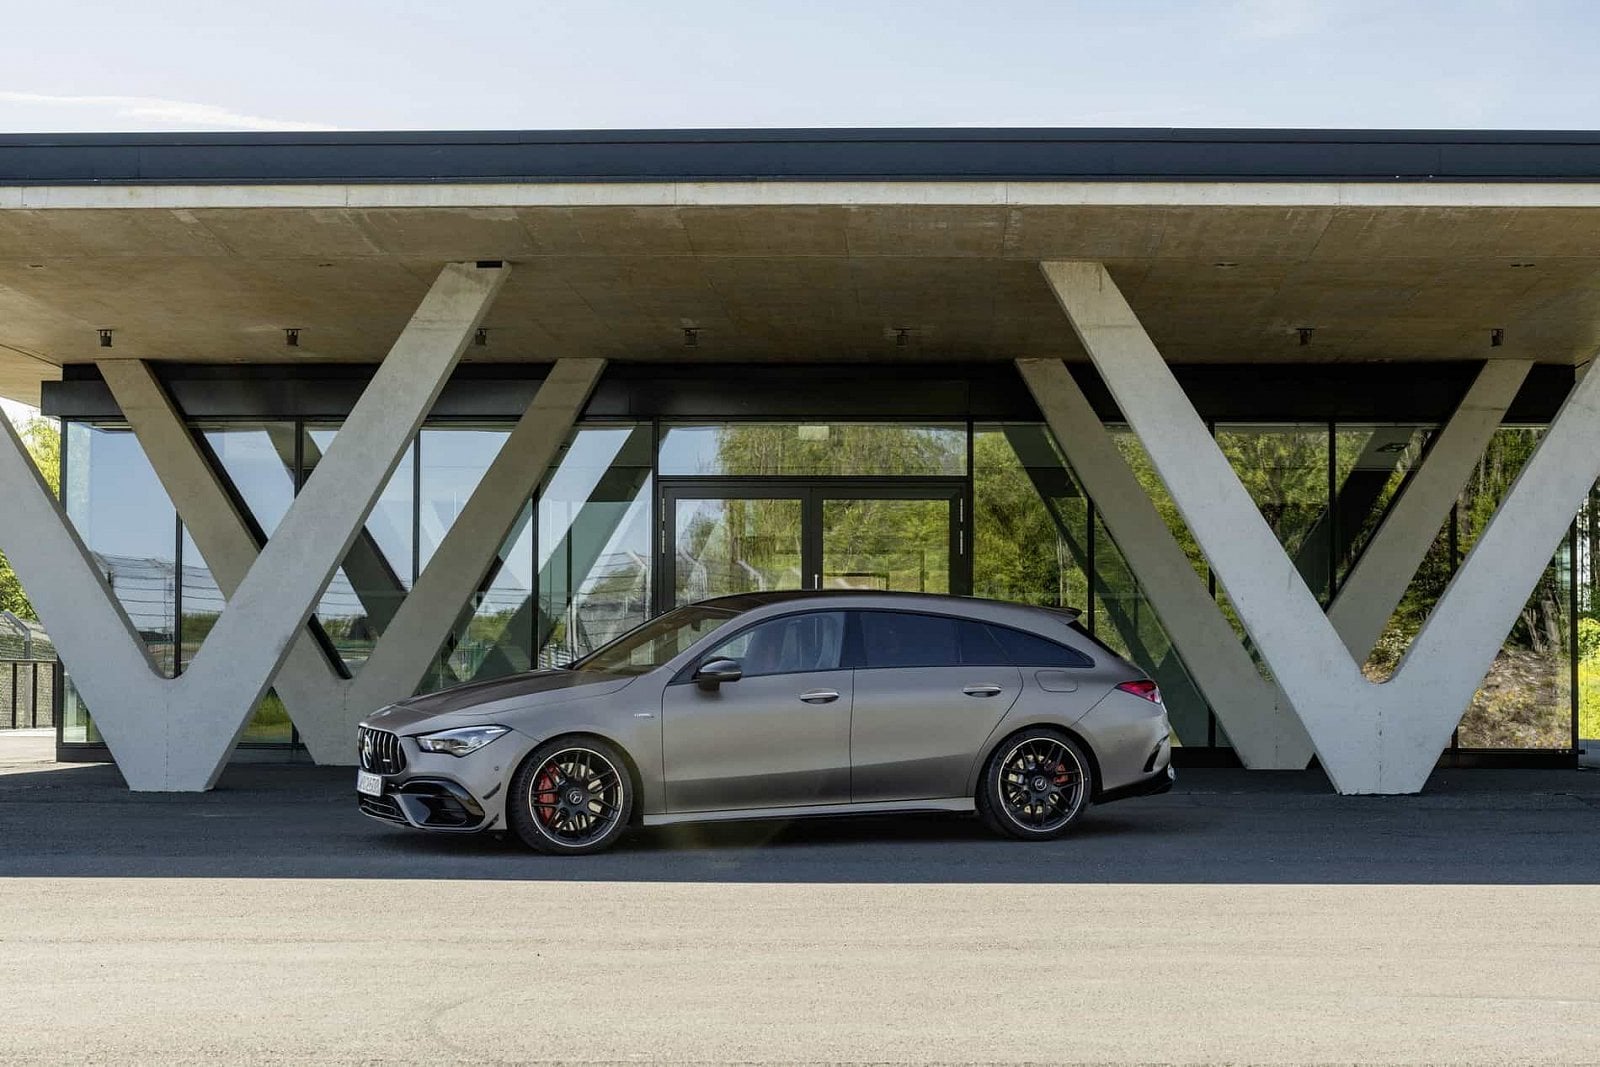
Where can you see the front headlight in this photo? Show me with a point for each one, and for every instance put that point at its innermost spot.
(460, 742)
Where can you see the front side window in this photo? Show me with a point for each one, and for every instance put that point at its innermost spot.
(656, 642)
(793, 644)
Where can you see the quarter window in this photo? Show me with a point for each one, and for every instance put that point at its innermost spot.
(1028, 650)
(792, 644)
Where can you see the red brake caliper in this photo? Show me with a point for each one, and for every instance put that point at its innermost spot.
(544, 793)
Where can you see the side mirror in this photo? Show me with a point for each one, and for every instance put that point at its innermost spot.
(713, 672)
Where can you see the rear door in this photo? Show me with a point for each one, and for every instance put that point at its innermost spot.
(928, 690)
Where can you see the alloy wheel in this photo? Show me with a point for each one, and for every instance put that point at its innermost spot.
(576, 797)
(1041, 784)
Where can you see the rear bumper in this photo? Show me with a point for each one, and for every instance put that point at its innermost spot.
(1159, 782)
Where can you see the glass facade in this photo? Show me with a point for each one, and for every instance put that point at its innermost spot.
(635, 517)
(121, 512)
(823, 449)
(596, 541)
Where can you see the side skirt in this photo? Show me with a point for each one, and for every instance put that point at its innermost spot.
(805, 811)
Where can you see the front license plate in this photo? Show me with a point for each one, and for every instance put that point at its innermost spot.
(369, 783)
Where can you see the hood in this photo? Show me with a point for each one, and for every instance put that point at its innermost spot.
(481, 702)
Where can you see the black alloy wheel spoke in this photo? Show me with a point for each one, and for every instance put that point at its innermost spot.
(1041, 784)
(595, 812)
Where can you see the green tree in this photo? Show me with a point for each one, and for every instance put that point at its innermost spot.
(44, 445)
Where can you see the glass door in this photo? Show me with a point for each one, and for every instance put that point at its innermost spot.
(904, 543)
(735, 539)
(722, 536)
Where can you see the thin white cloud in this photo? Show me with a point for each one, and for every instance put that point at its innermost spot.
(1269, 19)
(156, 110)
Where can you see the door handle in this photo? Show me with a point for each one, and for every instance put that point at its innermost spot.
(820, 696)
(983, 690)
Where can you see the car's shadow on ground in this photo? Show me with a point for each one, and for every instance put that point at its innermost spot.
(763, 834)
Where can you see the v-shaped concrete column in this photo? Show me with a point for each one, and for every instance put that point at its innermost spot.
(1260, 722)
(175, 734)
(1264, 735)
(323, 705)
(1371, 737)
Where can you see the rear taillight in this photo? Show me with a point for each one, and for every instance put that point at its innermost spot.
(1145, 688)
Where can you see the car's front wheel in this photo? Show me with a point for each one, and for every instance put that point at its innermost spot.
(572, 796)
(1036, 785)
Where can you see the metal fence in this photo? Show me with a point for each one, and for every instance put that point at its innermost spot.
(27, 675)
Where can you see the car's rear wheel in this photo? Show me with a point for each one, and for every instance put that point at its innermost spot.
(1035, 785)
(572, 796)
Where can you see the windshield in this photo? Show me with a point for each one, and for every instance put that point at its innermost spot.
(656, 642)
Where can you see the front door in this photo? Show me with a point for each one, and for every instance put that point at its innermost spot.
(724, 536)
(777, 737)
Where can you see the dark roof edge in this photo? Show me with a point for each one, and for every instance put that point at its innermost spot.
(800, 154)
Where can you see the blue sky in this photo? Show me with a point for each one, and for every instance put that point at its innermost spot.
(88, 65)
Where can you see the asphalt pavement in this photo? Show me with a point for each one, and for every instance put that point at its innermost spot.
(1241, 918)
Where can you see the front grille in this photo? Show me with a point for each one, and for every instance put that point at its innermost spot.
(381, 752)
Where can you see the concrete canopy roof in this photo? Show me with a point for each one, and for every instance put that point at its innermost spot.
(1219, 270)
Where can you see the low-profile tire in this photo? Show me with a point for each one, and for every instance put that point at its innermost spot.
(1036, 785)
(571, 796)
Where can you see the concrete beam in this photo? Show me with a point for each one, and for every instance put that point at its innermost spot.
(402, 655)
(176, 734)
(1265, 735)
(70, 593)
(1371, 738)
(371, 574)
(1258, 716)
(208, 511)
(1362, 607)
(324, 706)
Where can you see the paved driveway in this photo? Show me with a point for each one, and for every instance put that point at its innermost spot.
(1243, 918)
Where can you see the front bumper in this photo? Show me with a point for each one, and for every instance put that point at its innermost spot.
(426, 803)
(447, 794)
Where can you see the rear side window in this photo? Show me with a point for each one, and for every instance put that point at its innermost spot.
(1029, 650)
(898, 639)
(903, 639)
(978, 645)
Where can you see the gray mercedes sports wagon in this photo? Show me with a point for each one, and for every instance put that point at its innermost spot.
(782, 705)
